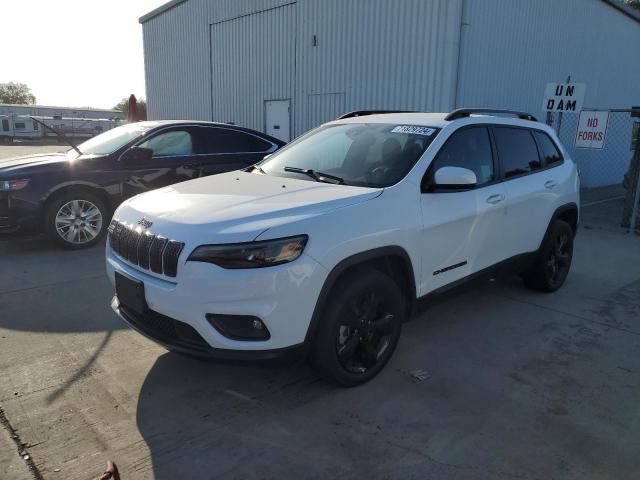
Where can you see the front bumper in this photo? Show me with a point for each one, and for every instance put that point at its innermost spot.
(16, 214)
(181, 337)
(283, 297)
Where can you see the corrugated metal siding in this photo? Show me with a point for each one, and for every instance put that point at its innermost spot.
(377, 53)
(252, 60)
(385, 54)
(382, 54)
(513, 49)
(177, 55)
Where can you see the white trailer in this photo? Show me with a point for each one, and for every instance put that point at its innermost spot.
(23, 127)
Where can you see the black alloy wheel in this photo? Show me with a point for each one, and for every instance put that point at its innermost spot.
(360, 327)
(554, 258)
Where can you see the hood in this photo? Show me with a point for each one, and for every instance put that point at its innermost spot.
(236, 206)
(17, 164)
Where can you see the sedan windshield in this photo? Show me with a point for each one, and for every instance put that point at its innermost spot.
(110, 141)
(361, 154)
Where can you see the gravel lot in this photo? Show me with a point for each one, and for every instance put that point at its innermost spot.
(521, 384)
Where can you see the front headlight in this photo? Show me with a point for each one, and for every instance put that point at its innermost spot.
(12, 185)
(265, 253)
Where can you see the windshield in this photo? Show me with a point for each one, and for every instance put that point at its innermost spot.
(361, 154)
(111, 140)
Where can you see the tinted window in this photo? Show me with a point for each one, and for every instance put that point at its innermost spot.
(223, 140)
(20, 125)
(174, 142)
(517, 151)
(550, 152)
(5, 125)
(35, 125)
(469, 148)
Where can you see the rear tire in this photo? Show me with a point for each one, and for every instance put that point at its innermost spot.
(76, 219)
(360, 327)
(553, 261)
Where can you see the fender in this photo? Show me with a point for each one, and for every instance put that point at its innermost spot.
(343, 265)
(561, 210)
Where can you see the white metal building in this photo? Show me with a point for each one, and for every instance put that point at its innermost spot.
(285, 66)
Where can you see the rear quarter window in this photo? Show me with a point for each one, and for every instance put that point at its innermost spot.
(517, 151)
(550, 153)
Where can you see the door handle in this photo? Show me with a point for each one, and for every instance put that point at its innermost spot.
(494, 199)
(550, 184)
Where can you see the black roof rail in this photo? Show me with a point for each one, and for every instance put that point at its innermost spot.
(362, 113)
(467, 112)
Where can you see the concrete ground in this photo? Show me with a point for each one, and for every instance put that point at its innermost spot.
(520, 384)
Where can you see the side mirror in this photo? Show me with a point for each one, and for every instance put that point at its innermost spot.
(453, 178)
(137, 155)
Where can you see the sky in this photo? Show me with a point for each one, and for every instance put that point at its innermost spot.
(76, 53)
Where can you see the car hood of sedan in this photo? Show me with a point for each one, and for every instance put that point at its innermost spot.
(16, 164)
(236, 206)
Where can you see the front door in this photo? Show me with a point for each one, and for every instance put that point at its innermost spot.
(172, 162)
(278, 119)
(461, 226)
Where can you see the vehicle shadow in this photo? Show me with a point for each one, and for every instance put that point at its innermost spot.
(202, 419)
(48, 289)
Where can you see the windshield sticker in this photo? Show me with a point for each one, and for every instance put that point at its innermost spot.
(426, 131)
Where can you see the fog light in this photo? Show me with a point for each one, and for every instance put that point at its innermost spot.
(239, 327)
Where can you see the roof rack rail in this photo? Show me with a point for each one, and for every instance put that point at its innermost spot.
(362, 113)
(467, 112)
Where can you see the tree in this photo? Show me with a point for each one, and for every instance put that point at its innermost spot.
(16, 93)
(123, 106)
(633, 3)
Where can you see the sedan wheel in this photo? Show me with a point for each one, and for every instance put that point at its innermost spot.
(78, 221)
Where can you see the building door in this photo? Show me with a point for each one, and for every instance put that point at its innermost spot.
(277, 117)
(253, 60)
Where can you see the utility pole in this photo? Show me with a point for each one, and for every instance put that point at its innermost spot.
(560, 114)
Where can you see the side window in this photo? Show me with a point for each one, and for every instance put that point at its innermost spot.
(517, 151)
(224, 140)
(5, 124)
(550, 152)
(468, 148)
(19, 125)
(175, 142)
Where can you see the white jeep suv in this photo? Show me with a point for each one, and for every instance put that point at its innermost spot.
(325, 246)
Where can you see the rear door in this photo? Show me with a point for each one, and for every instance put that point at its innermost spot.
(225, 149)
(527, 209)
(461, 227)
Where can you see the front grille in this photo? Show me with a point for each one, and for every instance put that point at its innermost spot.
(148, 251)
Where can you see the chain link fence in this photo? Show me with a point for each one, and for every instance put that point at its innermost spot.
(614, 164)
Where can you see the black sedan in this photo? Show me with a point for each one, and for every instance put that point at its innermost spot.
(72, 195)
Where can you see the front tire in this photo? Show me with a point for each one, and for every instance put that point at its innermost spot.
(554, 258)
(360, 327)
(76, 219)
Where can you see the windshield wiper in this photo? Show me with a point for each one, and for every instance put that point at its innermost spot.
(317, 176)
(59, 134)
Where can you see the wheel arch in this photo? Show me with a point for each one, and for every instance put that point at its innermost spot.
(393, 260)
(568, 213)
